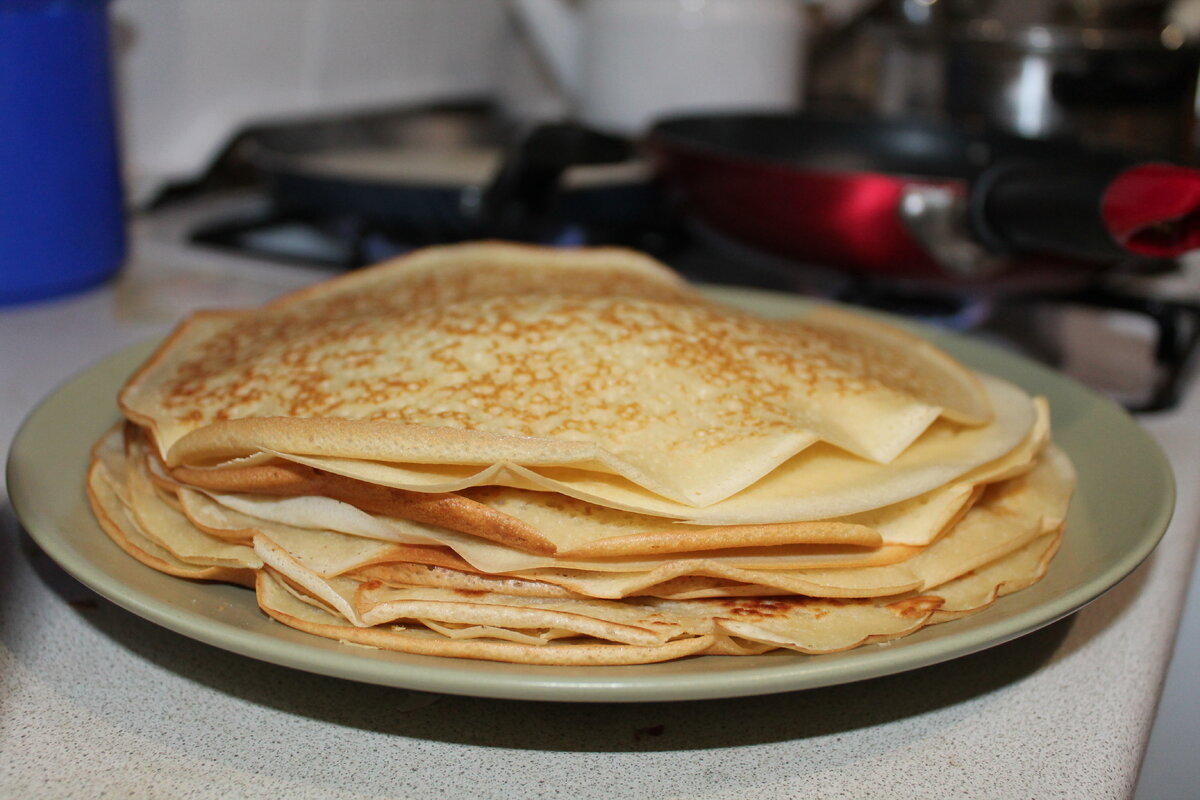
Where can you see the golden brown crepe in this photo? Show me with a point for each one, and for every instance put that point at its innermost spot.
(571, 457)
(422, 361)
(821, 482)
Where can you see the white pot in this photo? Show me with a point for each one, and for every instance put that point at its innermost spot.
(623, 63)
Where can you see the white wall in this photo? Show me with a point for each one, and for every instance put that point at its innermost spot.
(191, 73)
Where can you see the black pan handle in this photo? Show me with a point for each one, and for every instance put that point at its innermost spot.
(1047, 208)
(528, 180)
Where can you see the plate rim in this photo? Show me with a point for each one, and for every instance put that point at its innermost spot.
(794, 671)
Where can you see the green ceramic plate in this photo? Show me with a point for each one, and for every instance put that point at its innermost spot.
(1122, 507)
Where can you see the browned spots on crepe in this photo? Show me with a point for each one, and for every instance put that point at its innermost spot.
(916, 607)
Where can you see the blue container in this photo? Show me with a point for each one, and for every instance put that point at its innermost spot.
(62, 226)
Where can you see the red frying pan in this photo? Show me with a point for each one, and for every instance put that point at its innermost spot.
(915, 199)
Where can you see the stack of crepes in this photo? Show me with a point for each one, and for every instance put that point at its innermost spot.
(548, 456)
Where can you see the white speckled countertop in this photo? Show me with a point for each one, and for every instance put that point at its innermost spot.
(96, 702)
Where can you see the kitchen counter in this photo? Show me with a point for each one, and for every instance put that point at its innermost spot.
(96, 702)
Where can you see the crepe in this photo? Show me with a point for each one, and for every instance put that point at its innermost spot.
(571, 457)
(821, 482)
(583, 533)
(421, 361)
(719, 627)
(116, 519)
(356, 528)
(1009, 515)
(547, 522)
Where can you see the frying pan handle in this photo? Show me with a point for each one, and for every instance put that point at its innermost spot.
(1024, 207)
(527, 182)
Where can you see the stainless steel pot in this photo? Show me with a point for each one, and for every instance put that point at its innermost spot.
(1118, 78)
